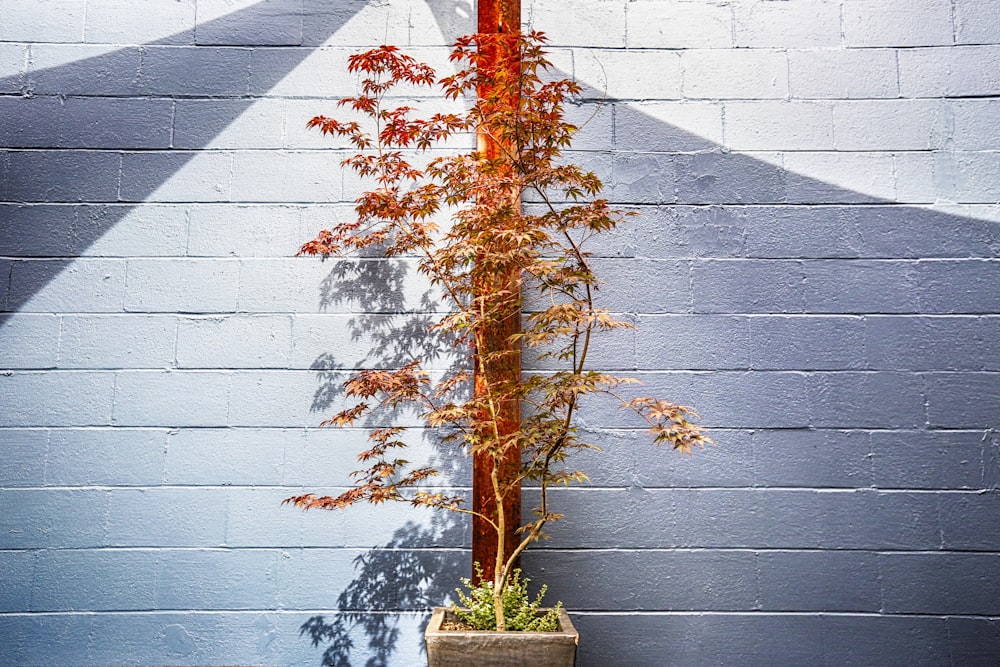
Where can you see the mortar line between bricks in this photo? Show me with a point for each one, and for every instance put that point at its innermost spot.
(640, 206)
(46, 457)
(839, 490)
(797, 205)
(843, 35)
(211, 612)
(83, 28)
(26, 60)
(624, 205)
(176, 338)
(647, 373)
(173, 125)
(164, 451)
(322, 150)
(222, 549)
(775, 99)
(424, 48)
(762, 550)
(114, 398)
(781, 489)
(742, 49)
(297, 97)
(626, 23)
(7, 280)
(423, 612)
(241, 97)
(160, 371)
(100, 488)
(609, 430)
(106, 519)
(954, 22)
(758, 599)
(410, 260)
(749, 613)
(895, 53)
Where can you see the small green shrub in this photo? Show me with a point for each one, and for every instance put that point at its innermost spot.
(522, 614)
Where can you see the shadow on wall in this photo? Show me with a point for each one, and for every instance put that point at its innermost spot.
(406, 575)
(380, 291)
(410, 573)
(68, 107)
(57, 110)
(703, 202)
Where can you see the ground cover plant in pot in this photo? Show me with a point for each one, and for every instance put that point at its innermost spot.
(460, 215)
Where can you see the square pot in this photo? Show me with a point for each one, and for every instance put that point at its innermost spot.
(461, 648)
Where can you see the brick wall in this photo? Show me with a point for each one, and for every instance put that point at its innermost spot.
(814, 268)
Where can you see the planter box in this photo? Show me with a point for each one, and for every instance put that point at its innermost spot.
(461, 648)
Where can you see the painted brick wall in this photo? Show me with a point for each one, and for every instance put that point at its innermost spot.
(815, 268)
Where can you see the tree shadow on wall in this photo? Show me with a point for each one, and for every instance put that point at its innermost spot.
(391, 326)
(421, 564)
(405, 576)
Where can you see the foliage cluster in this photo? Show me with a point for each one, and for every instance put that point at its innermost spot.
(522, 614)
(461, 215)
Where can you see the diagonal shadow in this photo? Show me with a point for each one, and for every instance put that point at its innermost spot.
(41, 116)
(53, 108)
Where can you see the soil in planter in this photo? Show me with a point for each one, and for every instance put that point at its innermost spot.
(456, 626)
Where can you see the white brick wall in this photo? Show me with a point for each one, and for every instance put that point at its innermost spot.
(976, 22)
(679, 24)
(958, 71)
(918, 23)
(802, 24)
(842, 73)
(735, 74)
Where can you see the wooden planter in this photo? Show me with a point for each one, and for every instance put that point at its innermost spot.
(461, 648)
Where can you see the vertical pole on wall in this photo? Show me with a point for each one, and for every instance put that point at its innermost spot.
(497, 16)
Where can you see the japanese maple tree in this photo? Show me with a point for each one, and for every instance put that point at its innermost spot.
(461, 215)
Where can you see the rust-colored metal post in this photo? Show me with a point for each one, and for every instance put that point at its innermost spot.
(498, 16)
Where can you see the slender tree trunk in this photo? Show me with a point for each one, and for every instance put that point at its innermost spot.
(496, 16)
